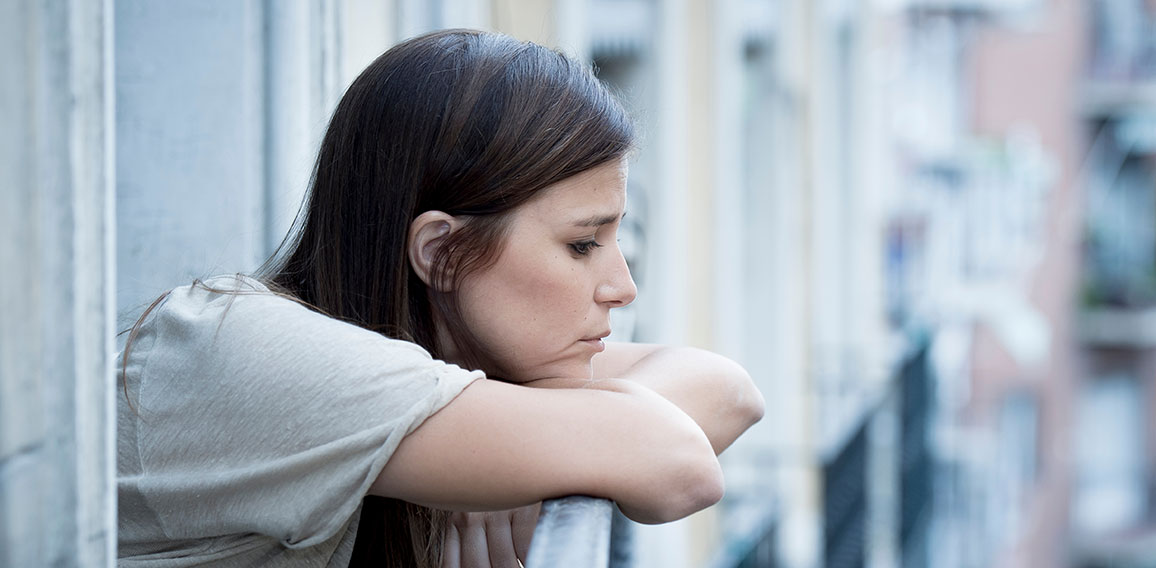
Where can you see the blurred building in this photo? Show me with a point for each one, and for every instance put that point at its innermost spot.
(1044, 353)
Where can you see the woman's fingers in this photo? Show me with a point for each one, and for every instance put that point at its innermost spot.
(500, 539)
(489, 540)
(472, 528)
(452, 548)
(524, 520)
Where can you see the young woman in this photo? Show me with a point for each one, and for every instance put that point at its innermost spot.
(462, 215)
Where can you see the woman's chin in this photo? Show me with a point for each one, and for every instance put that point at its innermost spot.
(576, 369)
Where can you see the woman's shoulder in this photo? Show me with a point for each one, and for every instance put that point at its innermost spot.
(223, 291)
(234, 334)
(203, 309)
(211, 295)
(237, 320)
(243, 312)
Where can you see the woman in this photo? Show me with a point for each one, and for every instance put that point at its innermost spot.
(462, 215)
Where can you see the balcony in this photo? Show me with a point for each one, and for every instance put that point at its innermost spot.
(1119, 327)
(861, 515)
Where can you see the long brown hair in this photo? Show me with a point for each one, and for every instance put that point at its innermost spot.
(473, 124)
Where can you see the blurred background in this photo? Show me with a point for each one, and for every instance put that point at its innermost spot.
(927, 228)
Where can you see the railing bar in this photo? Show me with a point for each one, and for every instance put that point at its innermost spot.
(572, 531)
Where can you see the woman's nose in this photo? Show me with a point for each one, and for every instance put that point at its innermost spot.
(617, 287)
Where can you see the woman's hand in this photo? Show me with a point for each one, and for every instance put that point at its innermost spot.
(714, 391)
(499, 539)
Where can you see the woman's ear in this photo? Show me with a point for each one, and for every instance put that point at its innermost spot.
(427, 233)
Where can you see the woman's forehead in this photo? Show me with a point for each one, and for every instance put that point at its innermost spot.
(594, 197)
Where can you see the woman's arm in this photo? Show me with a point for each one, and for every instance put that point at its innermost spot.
(713, 390)
(501, 446)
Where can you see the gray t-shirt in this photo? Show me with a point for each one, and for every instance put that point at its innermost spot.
(256, 427)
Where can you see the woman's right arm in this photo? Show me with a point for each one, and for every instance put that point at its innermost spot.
(501, 446)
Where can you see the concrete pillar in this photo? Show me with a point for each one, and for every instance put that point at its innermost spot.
(702, 100)
(221, 108)
(57, 496)
(304, 76)
(664, 305)
(190, 144)
(801, 530)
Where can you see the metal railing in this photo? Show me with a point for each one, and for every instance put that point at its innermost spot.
(580, 531)
(850, 482)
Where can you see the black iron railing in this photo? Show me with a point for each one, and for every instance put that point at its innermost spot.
(847, 477)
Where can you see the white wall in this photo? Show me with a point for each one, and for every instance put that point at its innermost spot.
(57, 502)
(190, 106)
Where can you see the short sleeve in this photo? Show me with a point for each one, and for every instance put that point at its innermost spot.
(257, 415)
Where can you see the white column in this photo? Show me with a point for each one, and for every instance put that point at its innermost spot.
(368, 28)
(303, 80)
(801, 532)
(664, 306)
(190, 89)
(730, 240)
(666, 303)
(57, 497)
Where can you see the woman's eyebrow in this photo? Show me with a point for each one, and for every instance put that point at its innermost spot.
(599, 220)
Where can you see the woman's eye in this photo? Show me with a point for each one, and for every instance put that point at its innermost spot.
(583, 248)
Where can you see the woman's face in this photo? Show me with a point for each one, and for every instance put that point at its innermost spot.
(542, 309)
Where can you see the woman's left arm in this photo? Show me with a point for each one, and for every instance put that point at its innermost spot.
(714, 391)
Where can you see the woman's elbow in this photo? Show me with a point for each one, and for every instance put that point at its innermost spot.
(698, 486)
(744, 408)
(690, 481)
(706, 488)
(753, 406)
(747, 403)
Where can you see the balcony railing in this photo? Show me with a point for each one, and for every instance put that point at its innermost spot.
(580, 531)
(590, 532)
(853, 503)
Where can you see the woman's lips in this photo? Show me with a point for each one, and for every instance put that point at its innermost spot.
(596, 343)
